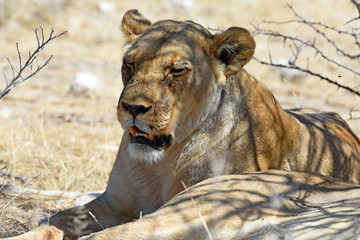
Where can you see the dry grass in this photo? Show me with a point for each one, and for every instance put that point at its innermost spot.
(52, 152)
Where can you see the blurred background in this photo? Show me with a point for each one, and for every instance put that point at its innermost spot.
(58, 134)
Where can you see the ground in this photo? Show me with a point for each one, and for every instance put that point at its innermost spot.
(52, 139)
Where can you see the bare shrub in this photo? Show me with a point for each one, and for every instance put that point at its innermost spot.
(19, 74)
(323, 43)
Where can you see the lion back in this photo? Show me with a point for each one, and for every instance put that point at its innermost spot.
(328, 146)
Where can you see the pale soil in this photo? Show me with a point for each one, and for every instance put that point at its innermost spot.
(40, 144)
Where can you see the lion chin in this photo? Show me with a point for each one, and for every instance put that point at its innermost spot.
(144, 153)
(148, 148)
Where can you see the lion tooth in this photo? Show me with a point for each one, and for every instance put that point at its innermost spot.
(135, 132)
(150, 136)
(140, 134)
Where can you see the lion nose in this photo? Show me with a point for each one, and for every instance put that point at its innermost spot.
(135, 110)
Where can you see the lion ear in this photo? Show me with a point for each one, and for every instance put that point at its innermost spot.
(134, 24)
(234, 47)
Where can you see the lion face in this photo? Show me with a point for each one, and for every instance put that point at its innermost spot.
(173, 75)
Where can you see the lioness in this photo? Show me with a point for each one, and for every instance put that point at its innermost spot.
(190, 112)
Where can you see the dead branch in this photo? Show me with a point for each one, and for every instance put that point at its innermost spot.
(322, 33)
(357, 5)
(18, 75)
(297, 44)
(309, 44)
(353, 113)
(309, 72)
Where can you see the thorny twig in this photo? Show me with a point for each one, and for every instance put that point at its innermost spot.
(311, 73)
(354, 32)
(307, 43)
(353, 113)
(318, 31)
(17, 75)
(297, 44)
(357, 5)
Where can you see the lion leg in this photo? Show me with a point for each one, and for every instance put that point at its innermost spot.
(83, 220)
(44, 232)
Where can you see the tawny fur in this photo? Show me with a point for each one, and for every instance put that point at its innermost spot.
(44, 232)
(183, 82)
(265, 205)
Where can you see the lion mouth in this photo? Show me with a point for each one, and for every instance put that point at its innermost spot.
(158, 142)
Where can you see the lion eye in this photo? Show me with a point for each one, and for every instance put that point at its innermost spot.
(177, 71)
(130, 65)
(127, 71)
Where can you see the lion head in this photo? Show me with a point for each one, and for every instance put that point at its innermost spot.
(173, 75)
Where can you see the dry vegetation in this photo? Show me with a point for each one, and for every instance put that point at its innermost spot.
(51, 139)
